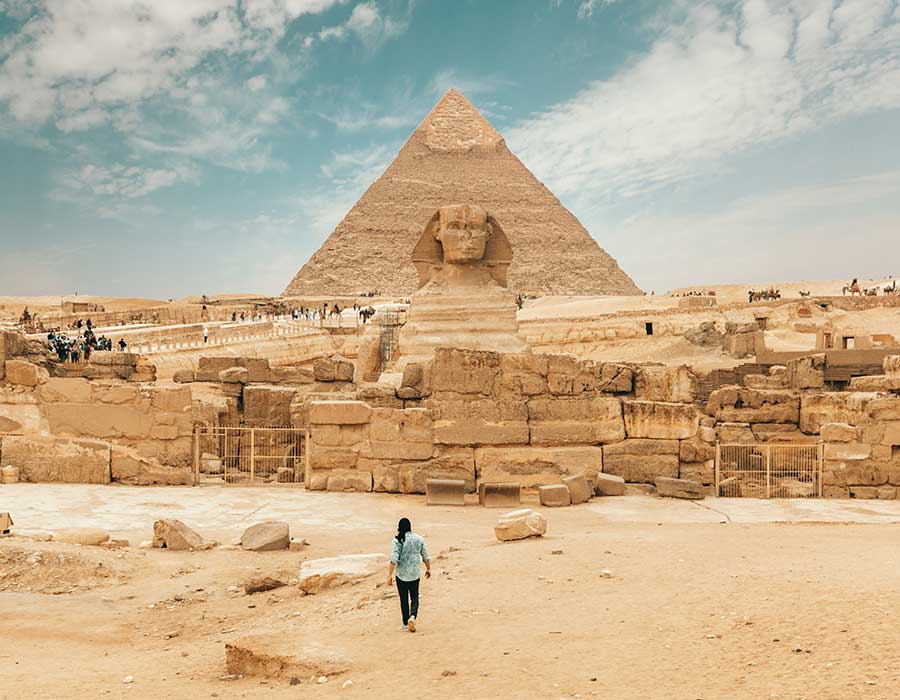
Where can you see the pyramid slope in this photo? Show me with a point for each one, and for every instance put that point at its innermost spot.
(455, 156)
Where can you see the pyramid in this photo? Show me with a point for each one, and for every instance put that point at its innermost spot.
(456, 157)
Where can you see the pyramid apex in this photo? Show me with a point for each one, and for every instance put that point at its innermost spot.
(455, 125)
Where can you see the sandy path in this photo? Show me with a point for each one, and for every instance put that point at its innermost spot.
(692, 610)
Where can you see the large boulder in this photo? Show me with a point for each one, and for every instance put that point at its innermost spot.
(82, 535)
(806, 372)
(333, 369)
(579, 489)
(520, 524)
(176, 536)
(317, 575)
(554, 495)
(268, 536)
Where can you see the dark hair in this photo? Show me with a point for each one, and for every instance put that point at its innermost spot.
(403, 527)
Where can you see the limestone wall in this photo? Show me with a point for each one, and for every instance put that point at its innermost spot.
(483, 416)
(75, 430)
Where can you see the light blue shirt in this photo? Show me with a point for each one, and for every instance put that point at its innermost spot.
(406, 557)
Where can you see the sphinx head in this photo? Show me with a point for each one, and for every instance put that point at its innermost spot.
(463, 232)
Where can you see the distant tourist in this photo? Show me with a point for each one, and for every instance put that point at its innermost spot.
(122, 345)
(750, 296)
(205, 334)
(407, 550)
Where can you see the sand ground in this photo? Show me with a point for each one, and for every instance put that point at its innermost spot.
(728, 599)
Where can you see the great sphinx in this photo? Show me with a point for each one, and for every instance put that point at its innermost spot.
(462, 258)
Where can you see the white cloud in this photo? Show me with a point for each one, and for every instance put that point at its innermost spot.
(715, 84)
(368, 25)
(783, 229)
(256, 83)
(120, 180)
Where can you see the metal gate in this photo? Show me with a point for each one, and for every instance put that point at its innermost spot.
(769, 471)
(250, 456)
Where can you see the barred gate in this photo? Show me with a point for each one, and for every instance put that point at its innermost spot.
(776, 470)
(250, 456)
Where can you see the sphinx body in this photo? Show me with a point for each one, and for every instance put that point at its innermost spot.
(462, 258)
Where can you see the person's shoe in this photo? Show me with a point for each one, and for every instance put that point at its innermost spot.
(411, 625)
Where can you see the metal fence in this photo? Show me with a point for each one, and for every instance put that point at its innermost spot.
(769, 471)
(250, 456)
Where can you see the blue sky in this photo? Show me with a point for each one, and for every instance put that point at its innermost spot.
(164, 148)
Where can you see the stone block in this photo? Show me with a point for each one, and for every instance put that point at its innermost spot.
(448, 463)
(292, 376)
(835, 492)
(499, 494)
(578, 487)
(735, 433)
(416, 381)
(465, 371)
(172, 400)
(91, 536)
(267, 405)
(533, 466)
(445, 492)
(176, 536)
(833, 407)
(333, 457)
(615, 379)
(694, 450)
(268, 536)
(679, 488)
(568, 376)
(609, 485)
(339, 412)
(379, 395)
(886, 492)
(806, 372)
(701, 472)
(333, 369)
(98, 420)
(884, 408)
(117, 393)
(349, 480)
(479, 422)
(745, 405)
(666, 384)
(662, 421)
(57, 459)
(847, 451)
(520, 524)
(577, 420)
(641, 460)
(65, 390)
(183, 376)
(521, 375)
(555, 495)
(114, 359)
(128, 466)
(234, 375)
(400, 434)
(706, 434)
(779, 432)
(864, 492)
(23, 373)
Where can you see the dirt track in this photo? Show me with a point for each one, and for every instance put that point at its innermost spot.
(692, 610)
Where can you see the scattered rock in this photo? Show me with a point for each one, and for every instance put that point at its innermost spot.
(175, 535)
(520, 524)
(280, 657)
(268, 536)
(554, 495)
(128, 679)
(82, 535)
(317, 575)
(262, 583)
(579, 490)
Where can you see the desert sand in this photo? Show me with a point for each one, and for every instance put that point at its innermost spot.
(704, 600)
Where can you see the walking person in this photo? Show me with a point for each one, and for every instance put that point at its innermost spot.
(407, 550)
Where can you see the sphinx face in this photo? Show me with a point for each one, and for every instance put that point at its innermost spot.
(464, 234)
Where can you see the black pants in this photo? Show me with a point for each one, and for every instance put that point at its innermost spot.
(409, 598)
